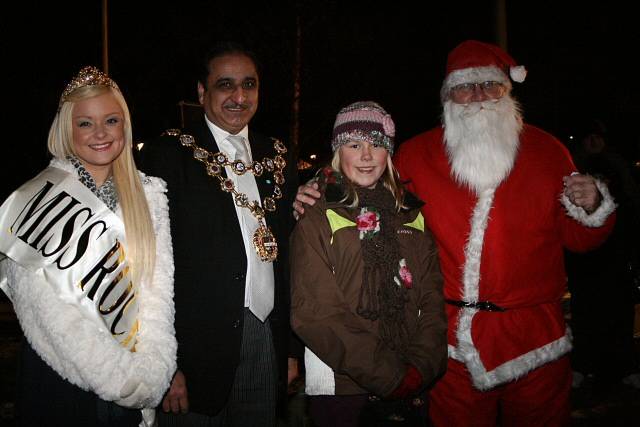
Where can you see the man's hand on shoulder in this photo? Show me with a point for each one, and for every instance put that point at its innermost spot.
(307, 194)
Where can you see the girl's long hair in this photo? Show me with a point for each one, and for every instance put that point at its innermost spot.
(141, 242)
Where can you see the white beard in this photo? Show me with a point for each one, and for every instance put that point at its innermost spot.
(482, 141)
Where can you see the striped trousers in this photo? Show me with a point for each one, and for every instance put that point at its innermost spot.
(252, 400)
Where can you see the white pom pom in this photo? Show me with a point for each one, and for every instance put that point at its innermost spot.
(518, 73)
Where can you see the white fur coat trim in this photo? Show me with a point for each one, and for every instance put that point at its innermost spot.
(466, 352)
(473, 250)
(513, 369)
(599, 216)
(319, 377)
(86, 354)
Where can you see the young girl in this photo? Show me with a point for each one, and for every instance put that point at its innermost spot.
(366, 284)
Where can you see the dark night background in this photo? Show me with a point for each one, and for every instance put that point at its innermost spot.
(579, 59)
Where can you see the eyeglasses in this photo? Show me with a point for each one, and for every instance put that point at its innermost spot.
(490, 88)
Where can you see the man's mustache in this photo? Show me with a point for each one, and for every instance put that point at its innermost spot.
(236, 105)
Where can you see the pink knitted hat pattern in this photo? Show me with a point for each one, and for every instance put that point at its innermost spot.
(363, 121)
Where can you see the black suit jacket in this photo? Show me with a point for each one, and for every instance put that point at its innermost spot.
(210, 264)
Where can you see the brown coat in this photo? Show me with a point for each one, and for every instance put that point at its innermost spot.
(326, 276)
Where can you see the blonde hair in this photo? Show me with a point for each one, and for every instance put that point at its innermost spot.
(141, 242)
(390, 179)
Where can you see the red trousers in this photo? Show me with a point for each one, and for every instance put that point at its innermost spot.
(540, 398)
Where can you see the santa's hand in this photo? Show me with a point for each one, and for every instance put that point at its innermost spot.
(308, 194)
(582, 191)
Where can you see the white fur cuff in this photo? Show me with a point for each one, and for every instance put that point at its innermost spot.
(599, 216)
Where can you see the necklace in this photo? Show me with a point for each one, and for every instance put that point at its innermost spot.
(264, 241)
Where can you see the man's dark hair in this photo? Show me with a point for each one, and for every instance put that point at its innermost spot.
(221, 49)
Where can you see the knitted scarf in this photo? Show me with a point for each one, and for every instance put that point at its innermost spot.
(381, 298)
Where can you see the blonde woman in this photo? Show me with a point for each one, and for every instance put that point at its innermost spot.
(366, 284)
(87, 264)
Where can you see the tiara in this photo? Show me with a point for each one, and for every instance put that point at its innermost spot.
(87, 76)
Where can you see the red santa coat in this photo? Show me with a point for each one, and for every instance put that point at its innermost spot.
(504, 245)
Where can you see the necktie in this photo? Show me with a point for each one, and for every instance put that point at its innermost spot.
(241, 147)
(260, 274)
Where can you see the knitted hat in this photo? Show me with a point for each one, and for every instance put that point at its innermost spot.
(473, 61)
(363, 121)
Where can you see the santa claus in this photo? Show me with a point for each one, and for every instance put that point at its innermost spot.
(503, 199)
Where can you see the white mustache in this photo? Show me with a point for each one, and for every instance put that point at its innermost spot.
(475, 107)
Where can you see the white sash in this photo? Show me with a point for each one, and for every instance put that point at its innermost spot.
(55, 226)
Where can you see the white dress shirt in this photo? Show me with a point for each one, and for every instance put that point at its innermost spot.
(259, 273)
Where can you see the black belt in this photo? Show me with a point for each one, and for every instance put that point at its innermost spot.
(480, 305)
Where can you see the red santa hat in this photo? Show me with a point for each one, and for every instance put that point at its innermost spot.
(474, 61)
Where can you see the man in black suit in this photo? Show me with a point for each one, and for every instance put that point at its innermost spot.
(229, 194)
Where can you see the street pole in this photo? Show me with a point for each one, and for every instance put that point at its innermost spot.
(105, 37)
(295, 107)
(501, 23)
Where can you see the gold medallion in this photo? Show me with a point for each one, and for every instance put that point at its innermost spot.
(263, 239)
(265, 243)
